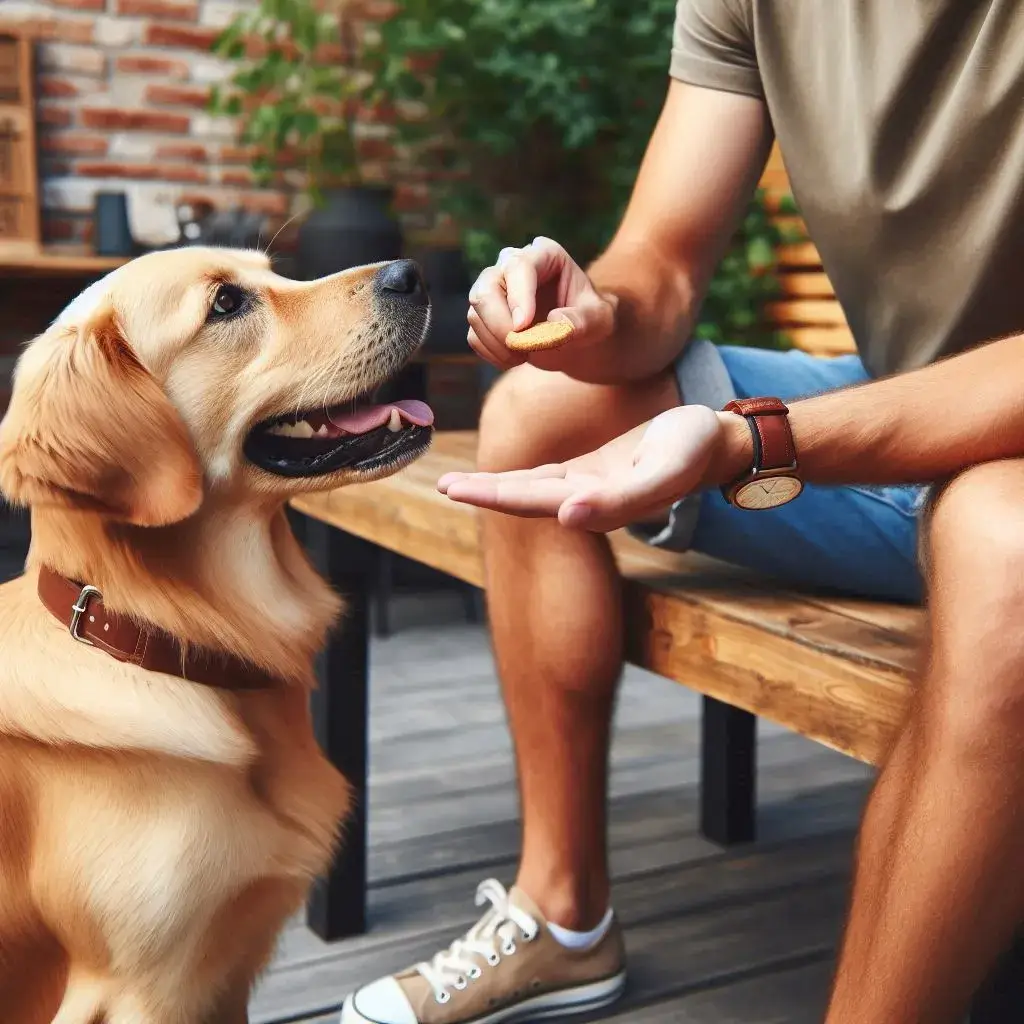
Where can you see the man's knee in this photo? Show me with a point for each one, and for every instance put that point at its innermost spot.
(515, 424)
(976, 535)
(976, 568)
(534, 416)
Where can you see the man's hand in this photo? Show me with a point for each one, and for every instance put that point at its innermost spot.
(538, 282)
(634, 307)
(629, 479)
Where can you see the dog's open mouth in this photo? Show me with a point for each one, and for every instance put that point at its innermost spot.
(360, 435)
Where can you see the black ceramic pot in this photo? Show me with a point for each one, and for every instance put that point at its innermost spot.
(354, 227)
(111, 232)
(448, 279)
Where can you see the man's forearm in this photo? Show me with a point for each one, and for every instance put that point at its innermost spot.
(654, 301)
(917, 427)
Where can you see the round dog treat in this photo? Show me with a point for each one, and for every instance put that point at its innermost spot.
(547, 334)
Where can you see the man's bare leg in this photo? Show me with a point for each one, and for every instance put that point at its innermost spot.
(556, 619)
(939, 889)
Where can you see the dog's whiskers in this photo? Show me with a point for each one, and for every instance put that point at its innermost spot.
(291, 219)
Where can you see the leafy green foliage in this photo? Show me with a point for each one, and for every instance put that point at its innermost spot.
(746, 280)
(535, 117)
(293, 104)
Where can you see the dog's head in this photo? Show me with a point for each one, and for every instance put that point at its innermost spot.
(197, 370)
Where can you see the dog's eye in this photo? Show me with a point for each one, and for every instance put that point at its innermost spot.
(228, 301)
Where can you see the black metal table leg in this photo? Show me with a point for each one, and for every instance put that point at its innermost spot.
(1001, 999)
(383, 586)
(474, 604)
(728, 773)
(337, 905)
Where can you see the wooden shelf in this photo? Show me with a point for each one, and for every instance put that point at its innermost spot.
(56, 261)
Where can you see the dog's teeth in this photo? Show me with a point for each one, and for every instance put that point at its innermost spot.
(300, 429)
(395, 423)
(323, 431)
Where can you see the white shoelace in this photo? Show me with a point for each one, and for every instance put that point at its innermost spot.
(456, 966)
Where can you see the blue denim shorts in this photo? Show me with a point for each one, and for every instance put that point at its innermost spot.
(853, 540)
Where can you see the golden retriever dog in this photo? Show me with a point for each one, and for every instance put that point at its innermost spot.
(163, 803)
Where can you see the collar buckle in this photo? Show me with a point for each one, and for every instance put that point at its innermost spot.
(78, 609)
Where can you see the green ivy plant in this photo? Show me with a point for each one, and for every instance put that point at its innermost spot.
(534, 115)
(746, 279)
(294, 91)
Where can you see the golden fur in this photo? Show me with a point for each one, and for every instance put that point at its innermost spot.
(155, 834)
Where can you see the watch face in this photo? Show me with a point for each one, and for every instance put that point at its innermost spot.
(768, 492)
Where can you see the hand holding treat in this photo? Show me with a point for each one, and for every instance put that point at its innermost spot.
(536, 304)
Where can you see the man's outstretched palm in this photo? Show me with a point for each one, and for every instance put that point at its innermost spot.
(628, 479)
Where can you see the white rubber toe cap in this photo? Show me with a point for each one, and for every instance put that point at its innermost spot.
(382, 1002)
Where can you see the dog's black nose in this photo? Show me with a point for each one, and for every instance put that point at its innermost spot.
(402, 279)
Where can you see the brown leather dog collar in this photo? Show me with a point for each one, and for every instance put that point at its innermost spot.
(80, 608)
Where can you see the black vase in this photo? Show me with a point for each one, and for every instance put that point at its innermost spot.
(112, 235)
(354, 227)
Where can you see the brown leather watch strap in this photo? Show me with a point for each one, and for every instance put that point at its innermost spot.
(769, 425)
(80, 608)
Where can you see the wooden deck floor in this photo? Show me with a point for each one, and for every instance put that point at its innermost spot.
(744, 937)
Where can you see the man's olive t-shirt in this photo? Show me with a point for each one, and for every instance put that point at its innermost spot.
(901, 123)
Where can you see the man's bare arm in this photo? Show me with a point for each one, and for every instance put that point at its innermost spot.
(700, 170)
(916, 427)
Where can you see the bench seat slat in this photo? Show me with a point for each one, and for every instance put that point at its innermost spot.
(806, 312)
(810, 284)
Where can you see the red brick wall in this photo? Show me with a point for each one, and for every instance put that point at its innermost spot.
(122, 87)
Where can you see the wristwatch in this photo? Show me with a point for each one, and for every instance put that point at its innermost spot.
(774, 478)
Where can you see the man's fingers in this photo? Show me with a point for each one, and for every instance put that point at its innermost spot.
(507, 254)
(448, 479)
(525, 270)
(550, 257)
(591, 316)
(487, 299)
(521, 290)
(487, 346)
(515, 496)
(670, 458)
(552, 471)
(486, 353)
(628, 498)
(488, 280)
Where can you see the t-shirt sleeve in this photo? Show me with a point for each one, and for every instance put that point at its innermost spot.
(713, 46)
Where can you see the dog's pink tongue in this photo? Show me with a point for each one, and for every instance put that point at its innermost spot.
(370, 417)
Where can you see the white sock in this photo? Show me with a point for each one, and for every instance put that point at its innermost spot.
(582, 940)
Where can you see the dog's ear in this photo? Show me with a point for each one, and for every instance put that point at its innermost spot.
(89, 428)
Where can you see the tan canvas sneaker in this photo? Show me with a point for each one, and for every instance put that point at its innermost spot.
(507, 967)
